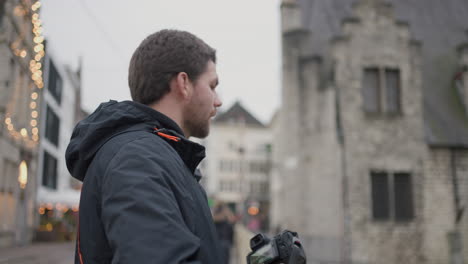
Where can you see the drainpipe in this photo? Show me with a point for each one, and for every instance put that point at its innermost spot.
(455, 237)
(346, 247)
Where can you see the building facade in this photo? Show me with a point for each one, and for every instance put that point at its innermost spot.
(21, 53)
(58, 193)
(237, 167)
(374, 101)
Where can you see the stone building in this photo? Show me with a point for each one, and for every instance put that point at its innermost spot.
(374, 104)
(21, 53)
(236, 170)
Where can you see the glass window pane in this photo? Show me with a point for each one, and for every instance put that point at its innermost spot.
(403, 197)
(52, 126)
(392, 85)
(49, 171)
(2, 12)
(55, 83)
(380, 196)
(370, 90)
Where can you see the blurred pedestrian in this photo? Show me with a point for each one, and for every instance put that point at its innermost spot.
(224, 221)
(141, 201)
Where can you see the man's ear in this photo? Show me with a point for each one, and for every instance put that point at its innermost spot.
(182, 85)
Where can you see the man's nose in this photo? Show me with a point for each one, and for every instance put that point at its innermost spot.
(218, 102)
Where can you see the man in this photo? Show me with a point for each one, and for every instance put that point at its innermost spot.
(224, 220)
(141, 201)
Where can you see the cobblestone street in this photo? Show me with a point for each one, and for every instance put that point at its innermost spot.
(39, 253)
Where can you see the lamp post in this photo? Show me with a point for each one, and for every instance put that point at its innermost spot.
(242, 183)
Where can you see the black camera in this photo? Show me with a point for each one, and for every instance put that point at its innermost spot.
(283, 248)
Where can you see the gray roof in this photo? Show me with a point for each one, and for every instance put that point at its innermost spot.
(238, 114)
(440, 25)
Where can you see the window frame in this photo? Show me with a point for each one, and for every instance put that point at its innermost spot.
(371, 106)
(388, 104)
(45, 172)
(52, 129)
(392, 197)
(407, 206)
(55, 83)
(377, 215)
(382, 91)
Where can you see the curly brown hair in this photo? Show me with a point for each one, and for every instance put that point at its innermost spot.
(160, 57)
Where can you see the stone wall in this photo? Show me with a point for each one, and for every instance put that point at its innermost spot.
(461, 167)
(382, 141)
(331, 174)
(438, 205)
(288, 163)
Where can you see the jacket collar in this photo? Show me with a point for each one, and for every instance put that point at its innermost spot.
(190, 152)
(163, 120)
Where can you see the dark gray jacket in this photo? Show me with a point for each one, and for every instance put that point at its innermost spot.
(141, 201)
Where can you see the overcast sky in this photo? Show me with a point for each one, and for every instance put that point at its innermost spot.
(105, 33)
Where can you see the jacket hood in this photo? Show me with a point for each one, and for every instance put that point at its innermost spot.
(108, 120)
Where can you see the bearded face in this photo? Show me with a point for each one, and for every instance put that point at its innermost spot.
(197, 122)
(203, 103)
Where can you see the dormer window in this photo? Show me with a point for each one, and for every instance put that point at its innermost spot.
(381, 90)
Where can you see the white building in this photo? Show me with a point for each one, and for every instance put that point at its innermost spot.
(57, 190)
(236, 170)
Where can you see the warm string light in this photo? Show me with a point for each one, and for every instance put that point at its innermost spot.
(31, 137)
(58, 206)
(35, 65)
(15, 47)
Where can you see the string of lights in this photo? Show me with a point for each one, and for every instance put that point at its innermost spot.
(30, 137)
